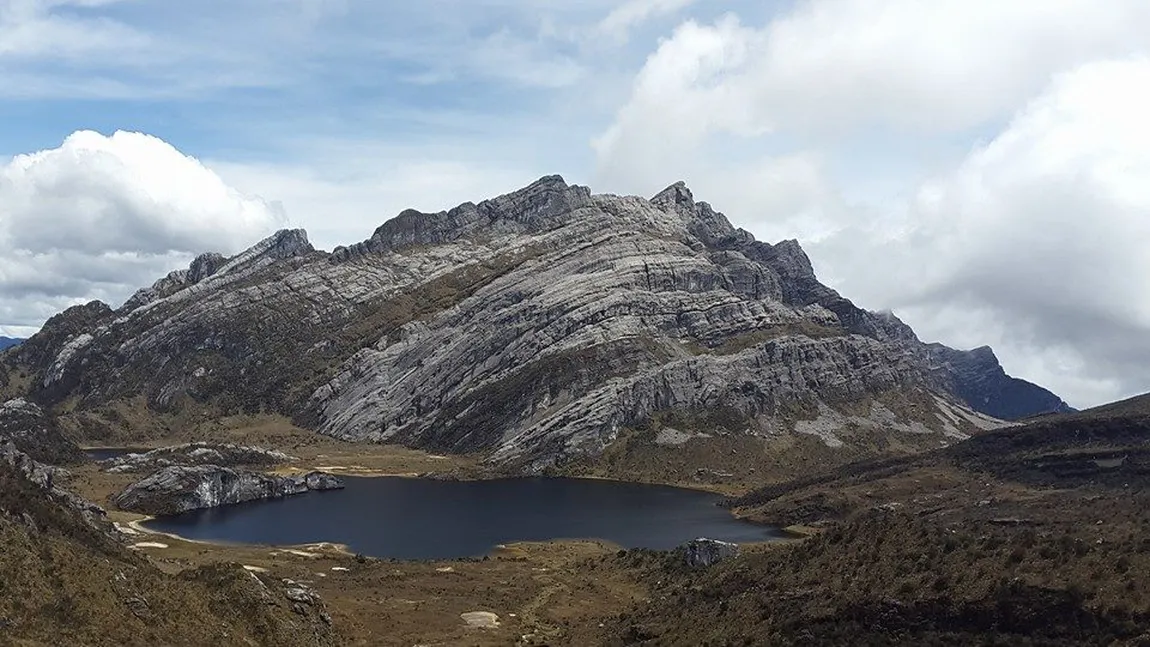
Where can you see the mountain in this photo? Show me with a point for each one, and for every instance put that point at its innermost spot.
(980, 381)
(8, 342)
(537, 328)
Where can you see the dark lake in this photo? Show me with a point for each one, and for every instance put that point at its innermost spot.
(409, 518)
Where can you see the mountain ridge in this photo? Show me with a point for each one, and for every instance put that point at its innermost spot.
(533, 327)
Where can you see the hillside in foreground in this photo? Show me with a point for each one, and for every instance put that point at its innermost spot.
(1026, 536)
(67, 578)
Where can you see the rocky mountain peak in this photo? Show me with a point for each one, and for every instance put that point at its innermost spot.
(288, 243)
(538, 207)
(702, 221)
(282, 245)
(534, 326)
(676, 198)
(204, 266)
(979, 378)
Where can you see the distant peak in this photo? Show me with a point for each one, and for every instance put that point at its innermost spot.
(674, 196)
(984, 353)
(550, 180)
(292, 240)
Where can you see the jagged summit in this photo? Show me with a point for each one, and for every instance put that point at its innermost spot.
(674, 197)
(535, 327)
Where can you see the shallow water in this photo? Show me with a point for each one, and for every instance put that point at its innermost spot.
(408, 518)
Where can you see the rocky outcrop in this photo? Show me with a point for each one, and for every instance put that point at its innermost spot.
(201, 453)
(705, 553)
(34, 432)
(978, 379)
(69, 579)
(177, 489)
(534, 328)
(48, 479)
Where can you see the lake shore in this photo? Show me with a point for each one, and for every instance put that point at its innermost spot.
(546, 591)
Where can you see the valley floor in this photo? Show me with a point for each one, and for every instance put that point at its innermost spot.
(551, 593)
(1031, 536)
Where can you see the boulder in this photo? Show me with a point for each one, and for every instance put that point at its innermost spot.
(704, 553)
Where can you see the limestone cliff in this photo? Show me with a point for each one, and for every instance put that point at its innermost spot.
(534, 328)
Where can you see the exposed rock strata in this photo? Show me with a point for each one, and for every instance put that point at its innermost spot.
(177, 489)
(533, 327)
(48, 478)
(34, 432)
(202, 453)
(704, 553)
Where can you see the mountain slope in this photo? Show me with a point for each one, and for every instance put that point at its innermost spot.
(64, 580)
(535, 327)
(980, 381)
(1032, 535)
(8, 342)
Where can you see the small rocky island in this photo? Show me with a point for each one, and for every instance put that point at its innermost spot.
(180, 488)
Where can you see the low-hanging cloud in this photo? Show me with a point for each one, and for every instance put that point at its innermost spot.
(100, 216)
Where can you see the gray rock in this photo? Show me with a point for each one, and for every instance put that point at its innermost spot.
(531, 328)
(704, 553)
(177, 489)
(49, 479)
(32, 431)
(297, 592)
(201, 453)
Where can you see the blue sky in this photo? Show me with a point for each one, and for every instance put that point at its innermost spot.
(978, 166)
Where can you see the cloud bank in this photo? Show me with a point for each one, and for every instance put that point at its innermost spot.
(100, 216)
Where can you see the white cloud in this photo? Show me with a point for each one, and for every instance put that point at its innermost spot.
(618, 24)
(1035, 243)
(682, 95)
(342, 196)
(831, 66)
(125, 193)
(35, 29)
(101, 216)
(823, 123)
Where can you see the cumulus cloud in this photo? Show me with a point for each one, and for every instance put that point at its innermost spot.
(100, 216)
(618, 24)
(832, 66)
(1037, 240)
(852, 126)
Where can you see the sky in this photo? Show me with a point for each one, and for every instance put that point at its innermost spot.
(979, 167)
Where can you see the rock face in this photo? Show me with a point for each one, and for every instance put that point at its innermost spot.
(704, 553)
(33, 432)
(48, 478)
(979, 380)
(202, 453)
(177, 489)
(535, 328)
